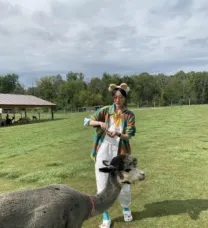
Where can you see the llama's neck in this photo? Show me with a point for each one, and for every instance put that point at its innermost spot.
(107, 197)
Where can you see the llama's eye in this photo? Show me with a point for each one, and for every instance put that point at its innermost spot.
(127, 170)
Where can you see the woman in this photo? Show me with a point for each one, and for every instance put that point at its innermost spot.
(115, 126)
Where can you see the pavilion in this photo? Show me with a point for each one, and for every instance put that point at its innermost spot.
(12, 101)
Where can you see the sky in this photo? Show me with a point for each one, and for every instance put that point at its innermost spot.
(49, 37)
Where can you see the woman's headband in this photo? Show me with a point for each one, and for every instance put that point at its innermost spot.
(121, 86)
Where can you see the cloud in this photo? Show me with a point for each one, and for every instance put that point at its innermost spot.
(45, 37)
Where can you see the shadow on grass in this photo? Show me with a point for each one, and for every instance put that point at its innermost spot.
(193, 207)
(35, 122)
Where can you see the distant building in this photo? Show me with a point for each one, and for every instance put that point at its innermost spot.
(8, 102)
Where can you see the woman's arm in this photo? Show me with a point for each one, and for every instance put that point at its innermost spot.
(98, 123)
(95, 123)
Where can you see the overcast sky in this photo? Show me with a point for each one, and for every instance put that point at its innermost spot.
(46, 37)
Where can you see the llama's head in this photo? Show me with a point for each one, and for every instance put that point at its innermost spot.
(125, 167)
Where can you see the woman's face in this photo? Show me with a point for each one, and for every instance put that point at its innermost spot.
(119, 99)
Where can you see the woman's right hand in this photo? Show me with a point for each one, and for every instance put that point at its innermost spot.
(103, 126)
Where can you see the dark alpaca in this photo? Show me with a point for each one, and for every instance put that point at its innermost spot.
(34, 118)
(9, 121)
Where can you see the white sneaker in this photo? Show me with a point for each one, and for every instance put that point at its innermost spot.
(105, 224)
(127, 216)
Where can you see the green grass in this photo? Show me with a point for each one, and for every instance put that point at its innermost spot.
(171, 145)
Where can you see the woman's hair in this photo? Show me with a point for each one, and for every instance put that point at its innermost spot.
(123, 92)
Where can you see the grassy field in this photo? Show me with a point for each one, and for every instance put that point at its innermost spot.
(171, 145)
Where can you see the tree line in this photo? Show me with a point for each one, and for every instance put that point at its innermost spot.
(72, 91)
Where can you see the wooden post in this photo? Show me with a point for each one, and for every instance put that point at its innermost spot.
(39, 115)
(25, 112)
(13, 113)
(52, 113)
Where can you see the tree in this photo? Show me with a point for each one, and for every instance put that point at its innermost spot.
(19, 89)
(145, 89)
(46, 88)
(95, 86)
(9, 83)
(73, 76)
(161, 82)
(69, 92)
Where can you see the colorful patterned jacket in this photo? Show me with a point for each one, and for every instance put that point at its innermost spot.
(128, 127)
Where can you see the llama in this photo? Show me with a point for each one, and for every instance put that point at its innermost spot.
(34, 118)
(10, 121)
(60, 206)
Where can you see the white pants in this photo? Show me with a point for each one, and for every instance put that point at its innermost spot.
(106, 152)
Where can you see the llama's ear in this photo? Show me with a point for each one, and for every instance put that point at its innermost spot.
(108, 169)
(106, 163)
